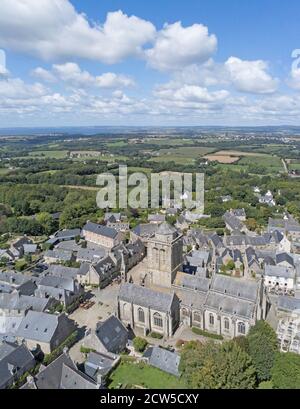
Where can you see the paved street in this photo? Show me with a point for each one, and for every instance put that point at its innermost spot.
(105, 305)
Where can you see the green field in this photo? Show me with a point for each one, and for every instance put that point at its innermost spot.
(132, 375)
(182, 155)
(117, 144)
(4, 171)
(272, 163)
(55, 154)
(169, 141)
(133, 169)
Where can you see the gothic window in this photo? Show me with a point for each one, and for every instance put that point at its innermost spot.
(211, 319)
(241, 328)
(141, 315)
(226, 324)
(162, 257)
(185, 312)
(197, 317)
(158, 322)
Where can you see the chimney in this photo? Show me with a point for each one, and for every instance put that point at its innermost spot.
(66, 351)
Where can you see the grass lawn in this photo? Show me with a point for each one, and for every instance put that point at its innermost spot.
(131, 375)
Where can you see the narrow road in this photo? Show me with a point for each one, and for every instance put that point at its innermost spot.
(285, 166)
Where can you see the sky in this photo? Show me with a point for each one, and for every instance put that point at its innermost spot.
(133, 62)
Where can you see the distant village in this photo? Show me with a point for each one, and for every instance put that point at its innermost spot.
(89, 293)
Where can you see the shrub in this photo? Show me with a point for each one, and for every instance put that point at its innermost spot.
(70, 341)
(140, 344)
(85, 350)
(199, 331)
(155, 335)
(20, 265)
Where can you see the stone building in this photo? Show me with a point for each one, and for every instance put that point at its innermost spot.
(102, 235)
(227, 307)
(164, 255)
(149, 310)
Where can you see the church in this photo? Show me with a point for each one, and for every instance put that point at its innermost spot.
(222, 305)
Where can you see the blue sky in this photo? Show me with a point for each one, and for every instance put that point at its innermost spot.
(110, 62)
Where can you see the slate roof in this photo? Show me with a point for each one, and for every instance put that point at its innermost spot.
(14, 301)
(62, 373)
(112, 334)
(38, 326)
(163, 359)
(157, 218)
(68, 234)
(192, 282)
(30, 248)
(13, 356)
(166, 229)
(58, 270)
(278, 271)
(98, 363)
(57, 254)
(288, 304)
(90, 255)
(233, 222)
(69, 245)
(104, 266)
(146, 297)
(284, 257)
(230, 305)
(235, 287)
(84, 269)
(197, 258)
(238, 212)
(72, 378)
(58, 282)
(101, 230)
(116, 216)
(236, 240)
(21, 242)
(13, 278)
(145, 230)
(216, 240)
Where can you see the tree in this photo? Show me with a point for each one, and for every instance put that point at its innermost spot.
(286, 371)
(215, 366)
(252, 224)
(262, 349)
(46, 220)
(242, 342)
(140, 344)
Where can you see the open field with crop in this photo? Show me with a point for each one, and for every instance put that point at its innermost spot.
(226, 159)
(182, 155)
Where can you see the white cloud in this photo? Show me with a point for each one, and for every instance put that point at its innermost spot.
(73, 75)
(15, 88)
(251, 76)
(52, 29)
(43, 75)
(177, 46)
(190, 93)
